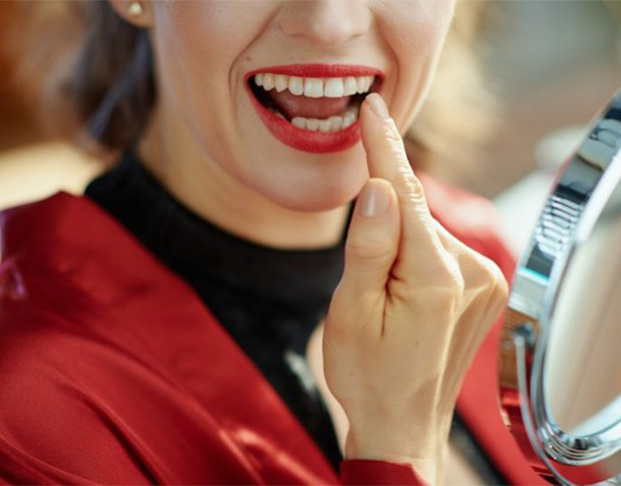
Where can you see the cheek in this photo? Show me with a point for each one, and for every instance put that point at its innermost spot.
(198, 46)
(414, 31)
(416, 28)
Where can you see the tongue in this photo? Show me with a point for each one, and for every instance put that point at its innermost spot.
(293, 105)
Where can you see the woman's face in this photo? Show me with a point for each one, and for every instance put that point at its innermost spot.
(209, 51)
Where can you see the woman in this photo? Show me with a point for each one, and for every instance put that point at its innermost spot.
(161, 328)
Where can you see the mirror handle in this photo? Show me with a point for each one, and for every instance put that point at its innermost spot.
(524, 340)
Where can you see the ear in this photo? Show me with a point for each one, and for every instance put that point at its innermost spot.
(137, 12)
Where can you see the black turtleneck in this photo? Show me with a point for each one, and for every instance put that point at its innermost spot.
(269, 300)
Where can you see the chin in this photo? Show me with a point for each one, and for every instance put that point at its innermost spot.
(317, 205)
(309, 198)
(303, 182)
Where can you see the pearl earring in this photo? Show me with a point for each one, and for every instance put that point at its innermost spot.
(135, 9)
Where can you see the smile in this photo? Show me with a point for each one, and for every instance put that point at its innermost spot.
(312, 107)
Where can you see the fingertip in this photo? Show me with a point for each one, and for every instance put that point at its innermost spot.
(370, 122)
(377, 105)
(375, 119)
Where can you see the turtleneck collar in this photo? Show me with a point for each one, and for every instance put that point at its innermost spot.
(199, 250)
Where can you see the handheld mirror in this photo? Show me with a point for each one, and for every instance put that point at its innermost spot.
(560, 349)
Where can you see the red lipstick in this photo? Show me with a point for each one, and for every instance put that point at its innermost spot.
(307, 140)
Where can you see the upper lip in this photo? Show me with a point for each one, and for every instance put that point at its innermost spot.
(318, 70)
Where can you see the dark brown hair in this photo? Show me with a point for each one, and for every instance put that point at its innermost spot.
(113, 85)
(110, 89)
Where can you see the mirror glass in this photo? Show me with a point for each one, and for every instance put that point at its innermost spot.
(582, 373)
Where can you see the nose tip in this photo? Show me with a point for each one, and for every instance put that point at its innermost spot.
(325, 22)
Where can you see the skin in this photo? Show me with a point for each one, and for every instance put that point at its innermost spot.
(408, 284)
(406, 319)
(262, 189)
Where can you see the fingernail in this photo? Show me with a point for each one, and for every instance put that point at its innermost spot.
(375, 201)
(378, 106)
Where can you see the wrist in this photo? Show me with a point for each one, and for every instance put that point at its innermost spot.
(395, 448)
(423, 447)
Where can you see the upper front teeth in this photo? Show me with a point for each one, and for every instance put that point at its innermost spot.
(315, 87)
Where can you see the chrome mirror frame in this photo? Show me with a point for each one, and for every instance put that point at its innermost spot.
(581, 190)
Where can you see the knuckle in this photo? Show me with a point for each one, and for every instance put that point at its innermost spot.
(452, 297)
(453, 276)
(448, 304)
(392, 135)
(457, 285)
(440, 302)
(448, 279)
(501, 289)
(493, 282)
(443, 289)
(407, 185)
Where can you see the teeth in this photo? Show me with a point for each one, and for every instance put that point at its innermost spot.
(315, 87)
(312, 124)
(349, 118)
(299, 122)
(332, 124)
(351, 86)
(268, 81)
(334, 88)
(296, 85)
(364, 83)
(336, 122)
(361, 84)
(324, 125)
(281, 82)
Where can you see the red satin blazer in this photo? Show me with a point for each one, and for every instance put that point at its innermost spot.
(113, 371)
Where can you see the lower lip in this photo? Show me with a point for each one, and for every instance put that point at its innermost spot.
(305, 140)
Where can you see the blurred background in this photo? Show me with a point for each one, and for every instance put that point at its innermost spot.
(550, 66)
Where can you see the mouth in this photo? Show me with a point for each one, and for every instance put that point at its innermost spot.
(312, 107)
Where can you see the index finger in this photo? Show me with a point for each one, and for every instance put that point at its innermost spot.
(386, 158)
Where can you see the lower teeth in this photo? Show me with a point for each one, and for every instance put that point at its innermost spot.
(332, 124)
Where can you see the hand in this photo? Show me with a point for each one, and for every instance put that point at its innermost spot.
(408, 315)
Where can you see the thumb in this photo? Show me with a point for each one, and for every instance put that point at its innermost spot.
(372, 240)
